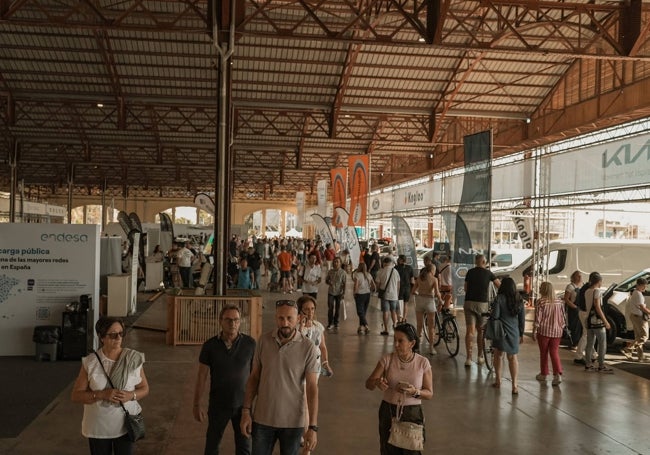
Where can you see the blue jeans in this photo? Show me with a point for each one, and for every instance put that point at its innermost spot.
(258, 278)
(217, 422)
(362, 301)
(186, 276)
(600, 336)
(265, 437)
(333, 308)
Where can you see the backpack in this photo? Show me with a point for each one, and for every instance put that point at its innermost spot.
(580, 297)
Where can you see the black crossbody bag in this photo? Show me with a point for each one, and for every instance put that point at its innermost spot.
(134, 423)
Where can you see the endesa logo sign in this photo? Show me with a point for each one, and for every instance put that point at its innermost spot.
(65, 238)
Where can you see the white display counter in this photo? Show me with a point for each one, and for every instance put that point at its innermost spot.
(119, 295)
(154, 276)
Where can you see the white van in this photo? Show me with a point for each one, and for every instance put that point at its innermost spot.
(613, 259)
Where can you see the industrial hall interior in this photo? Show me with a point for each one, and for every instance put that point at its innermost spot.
(182, 181)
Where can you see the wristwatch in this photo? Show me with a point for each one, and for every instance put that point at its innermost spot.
(416, 394)
(314, 428)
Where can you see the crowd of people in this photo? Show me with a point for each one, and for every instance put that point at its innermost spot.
(268, 389)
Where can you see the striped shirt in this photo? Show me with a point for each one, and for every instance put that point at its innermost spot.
(549, 318)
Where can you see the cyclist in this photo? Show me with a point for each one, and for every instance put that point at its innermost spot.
(426, 291)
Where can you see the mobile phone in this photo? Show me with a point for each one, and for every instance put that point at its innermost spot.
(403, 385)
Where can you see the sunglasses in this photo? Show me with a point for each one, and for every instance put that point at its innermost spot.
(280, 303)
(114, 335)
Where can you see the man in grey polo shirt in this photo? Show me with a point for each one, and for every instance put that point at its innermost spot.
(284, 366)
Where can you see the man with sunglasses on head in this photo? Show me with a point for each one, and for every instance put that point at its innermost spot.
(285, 366)
(226, 358)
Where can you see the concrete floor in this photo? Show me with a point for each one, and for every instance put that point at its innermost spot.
(588, 413)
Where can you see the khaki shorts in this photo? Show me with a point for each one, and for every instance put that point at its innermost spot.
(425, 303)
(474, 313)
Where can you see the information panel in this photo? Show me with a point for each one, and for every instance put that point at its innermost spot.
(43, 267)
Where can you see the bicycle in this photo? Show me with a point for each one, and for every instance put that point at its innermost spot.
(488, 350)
(447, 328)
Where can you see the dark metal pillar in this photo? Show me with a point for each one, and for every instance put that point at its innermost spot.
(13, 169)
(223, 35)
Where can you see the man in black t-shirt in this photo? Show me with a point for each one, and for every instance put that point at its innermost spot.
(255, 263)
(373, 261)
(227, 358)
(406, 280)
(477, 292)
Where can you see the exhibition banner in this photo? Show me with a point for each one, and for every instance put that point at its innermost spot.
(135, 260)
(300, 208)
(623, 163)
(381, 203)
(347, 237)
(474, 210)
(457, 230)
(322, 197)
(516, 180)
(322, 229)
(522, 216)
(43, 268)
(339, 178)
(405, 242)
(205, 203)
(359, 168)
(414, 197)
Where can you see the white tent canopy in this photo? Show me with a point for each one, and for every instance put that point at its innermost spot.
(294, 233)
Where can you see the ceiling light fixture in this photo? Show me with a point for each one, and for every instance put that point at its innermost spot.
(100, 104)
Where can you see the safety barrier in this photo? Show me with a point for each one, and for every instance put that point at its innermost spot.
(192, 320)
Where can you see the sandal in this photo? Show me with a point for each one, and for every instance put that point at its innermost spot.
(515, 390)
(496, 385)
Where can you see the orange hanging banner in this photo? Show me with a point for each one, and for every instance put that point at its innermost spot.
(359, 166)
(339, 178)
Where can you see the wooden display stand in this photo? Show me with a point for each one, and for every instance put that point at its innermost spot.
(192, 320)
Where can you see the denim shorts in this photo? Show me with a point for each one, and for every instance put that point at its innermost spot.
(389, 305)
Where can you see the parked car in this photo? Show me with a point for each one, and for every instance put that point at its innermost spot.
(509, 258)
(616, 300)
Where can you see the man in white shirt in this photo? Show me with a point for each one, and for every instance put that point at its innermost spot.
(638, 315)
(388, 281)
(311, 276)
(185, 258)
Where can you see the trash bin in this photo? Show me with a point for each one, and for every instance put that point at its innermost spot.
(47, 338)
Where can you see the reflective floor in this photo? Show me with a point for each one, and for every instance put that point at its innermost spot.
(589, 413)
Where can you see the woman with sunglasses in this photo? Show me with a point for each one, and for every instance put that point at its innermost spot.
(313, 330)
(103, 419)
(405, 378)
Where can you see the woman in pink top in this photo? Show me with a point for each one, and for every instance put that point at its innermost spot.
(547, 330)
(404, 377)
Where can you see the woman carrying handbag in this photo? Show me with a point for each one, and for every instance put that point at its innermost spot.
(509, 308)
(104, 422)
(405, 379)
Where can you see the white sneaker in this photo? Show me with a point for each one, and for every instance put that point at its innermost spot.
(480, 360)
(468, 362)
(557, 379)
(433, 351)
